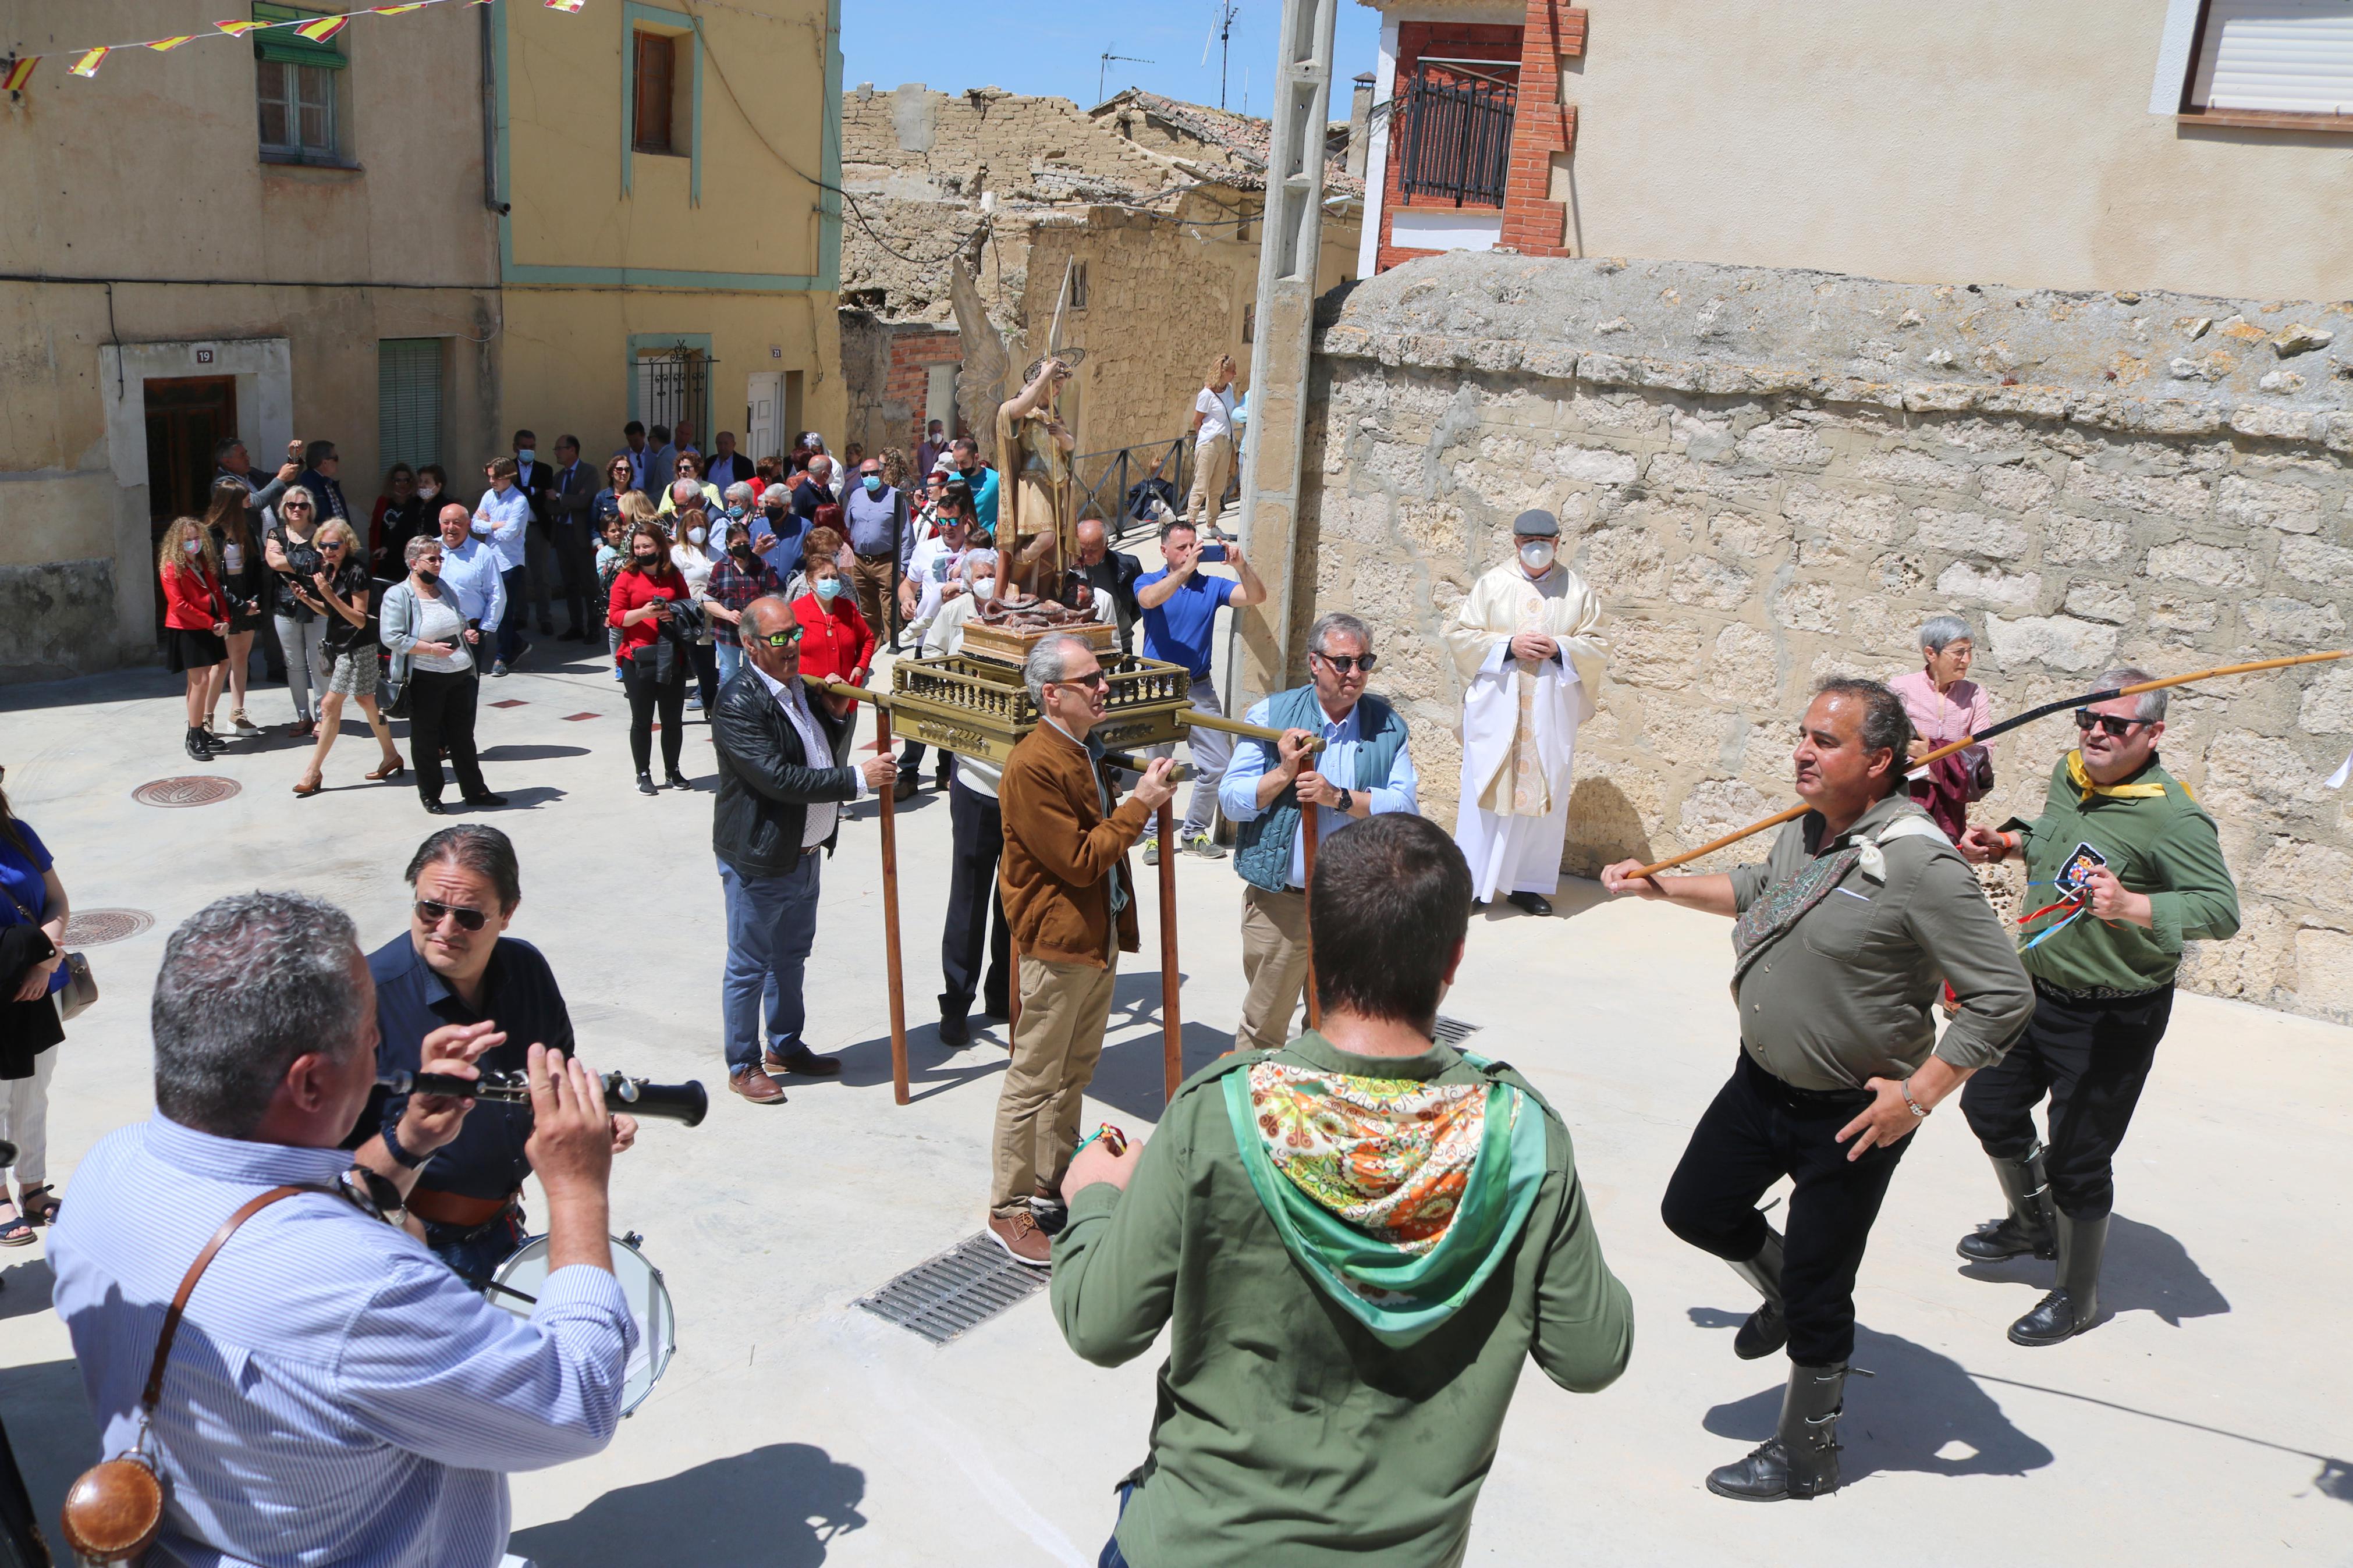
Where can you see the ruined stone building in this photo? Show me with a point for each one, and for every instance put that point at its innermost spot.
(1148, 206)
(2105, 412)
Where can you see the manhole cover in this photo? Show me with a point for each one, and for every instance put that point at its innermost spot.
(194, 789)
(1452, 1031)
(961, 1288)
(93, 928)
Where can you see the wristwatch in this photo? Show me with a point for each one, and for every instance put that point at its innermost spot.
(400, 1156)
(1348, 801)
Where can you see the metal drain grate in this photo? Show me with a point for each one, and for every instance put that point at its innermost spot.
(191, 789)
(1452, 1031)
(93, 928)
(961, 1288)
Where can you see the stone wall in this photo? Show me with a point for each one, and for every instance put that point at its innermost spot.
(1771, 477)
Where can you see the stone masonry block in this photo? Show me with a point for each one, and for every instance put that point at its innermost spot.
(1991, 586)
(2324, 565)
(2059, 641)
(1708, 583)
(2188, 562)
(1970, 533)
(2307, 626)
(2251, 503)
(2328, 708)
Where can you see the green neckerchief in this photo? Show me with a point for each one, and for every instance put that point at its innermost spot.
(1416, 1293)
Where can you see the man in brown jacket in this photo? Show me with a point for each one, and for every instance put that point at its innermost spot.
(1069, 898)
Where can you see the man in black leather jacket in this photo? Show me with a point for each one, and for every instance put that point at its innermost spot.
(774, 813)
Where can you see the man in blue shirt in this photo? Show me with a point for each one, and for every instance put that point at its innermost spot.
(471, 570)
(1366, 768)
(1179, 610)
(983, 481)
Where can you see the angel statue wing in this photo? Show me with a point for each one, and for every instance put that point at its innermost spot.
(986, 376)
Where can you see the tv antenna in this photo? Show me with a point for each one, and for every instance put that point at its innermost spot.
(1106, 57)
(1221, 33)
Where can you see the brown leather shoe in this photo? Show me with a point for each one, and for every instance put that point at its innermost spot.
(756, 1085)
(806, 1063)
(1019, 1235)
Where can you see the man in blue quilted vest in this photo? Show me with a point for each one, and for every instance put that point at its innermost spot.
(1366, 767)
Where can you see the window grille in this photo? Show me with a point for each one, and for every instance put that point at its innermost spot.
(1456, 136)
(408, 401)
(675, 384)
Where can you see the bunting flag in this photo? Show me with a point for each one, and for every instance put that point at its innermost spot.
(16, 71)
(2343, 775)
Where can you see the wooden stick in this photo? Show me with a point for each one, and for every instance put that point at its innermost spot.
(1171, 1026)
(1307, 835)
(2028, 717)
(1198, 720)
(890, 916)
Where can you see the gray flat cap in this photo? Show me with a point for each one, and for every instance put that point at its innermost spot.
(1538, 522)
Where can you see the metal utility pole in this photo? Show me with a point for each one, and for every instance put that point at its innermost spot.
(1289, 252)
(1222, 32)
(1106, 57)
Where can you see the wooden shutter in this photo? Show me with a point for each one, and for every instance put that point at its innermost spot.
(656, 57)
(2278, 56)
(408, 401)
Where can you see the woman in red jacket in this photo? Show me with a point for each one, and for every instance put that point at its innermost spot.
(835, 642)
(196, 620)
(647, 591)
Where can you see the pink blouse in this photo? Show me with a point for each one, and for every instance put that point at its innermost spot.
(1943, 717)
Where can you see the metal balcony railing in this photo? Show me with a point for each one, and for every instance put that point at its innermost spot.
(1455, 136)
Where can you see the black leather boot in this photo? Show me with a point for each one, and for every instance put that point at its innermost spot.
(2075, 1305)
(200, 745)
(1766, 1331)
(1801, 1460)
(2027, 1226)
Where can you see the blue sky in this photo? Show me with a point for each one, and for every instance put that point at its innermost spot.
(1051, 48)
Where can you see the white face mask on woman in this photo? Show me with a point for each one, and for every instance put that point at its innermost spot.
(1536, 557)
(695, 536)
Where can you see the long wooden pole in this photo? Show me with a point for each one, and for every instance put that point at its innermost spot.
(1307, 835)
(890, 915)
(1171, 1026)
(2031, 714)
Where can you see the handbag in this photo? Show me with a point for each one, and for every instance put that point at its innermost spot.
(81, 987)
(1977, 767)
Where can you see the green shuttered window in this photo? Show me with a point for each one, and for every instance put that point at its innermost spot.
(408, 401)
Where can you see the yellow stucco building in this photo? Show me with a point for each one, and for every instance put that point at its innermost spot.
(409, 238)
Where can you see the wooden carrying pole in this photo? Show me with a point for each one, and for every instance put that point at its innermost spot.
(1307, 835)
(2028, 717)
(1171, 1026)
(889, 881)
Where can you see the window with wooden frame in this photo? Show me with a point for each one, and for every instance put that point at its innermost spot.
(1078, 285)
(297, 82)
(656, 93)
(2283, 65)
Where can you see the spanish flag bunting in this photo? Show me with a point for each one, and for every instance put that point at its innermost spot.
(400, 10)
(569, 7)
(326, 27)
(239, 29)
(19, 73)
(89, 63)
(161, 44)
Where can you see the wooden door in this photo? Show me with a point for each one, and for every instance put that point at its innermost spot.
(186, 416)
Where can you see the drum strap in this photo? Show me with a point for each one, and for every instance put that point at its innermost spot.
(456, 1209)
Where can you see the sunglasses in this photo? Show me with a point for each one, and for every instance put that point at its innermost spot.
(331, 545)
(433, 914)
(1088, 681)
(1345, 664)
(776, 639)
(294, 506)
(2085, 720)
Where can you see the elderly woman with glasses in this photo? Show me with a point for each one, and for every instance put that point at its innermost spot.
(1944, 706)
(433, 656)
(341, 584)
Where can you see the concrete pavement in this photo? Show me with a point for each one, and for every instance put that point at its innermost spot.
(2206, 1421)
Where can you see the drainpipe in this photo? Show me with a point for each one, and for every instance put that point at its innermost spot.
(490, 114)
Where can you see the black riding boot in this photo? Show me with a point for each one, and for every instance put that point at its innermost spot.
(2027, 1226)
(1766, 1331)
(2075, 1306)
(1800, 1460)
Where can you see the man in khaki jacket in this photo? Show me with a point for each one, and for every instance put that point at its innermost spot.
(1070, 901)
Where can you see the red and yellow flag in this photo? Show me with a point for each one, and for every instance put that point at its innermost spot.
(400, 10)
(91, 59)
(569, 7)
(160, 45)
(18, 73)
(326, 27)
(239, 29)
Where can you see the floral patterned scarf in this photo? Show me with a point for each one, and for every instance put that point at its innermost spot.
(1398, 1196)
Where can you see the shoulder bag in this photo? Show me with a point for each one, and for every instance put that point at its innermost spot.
(81, 988)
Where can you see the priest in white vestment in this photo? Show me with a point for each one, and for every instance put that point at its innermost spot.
(1523, 642)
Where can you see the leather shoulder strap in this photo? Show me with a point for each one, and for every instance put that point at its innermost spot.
(154, 1390)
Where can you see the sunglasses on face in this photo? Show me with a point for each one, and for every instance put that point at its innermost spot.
(294, 506)
(433, 914)
(2085, 720)
(1090, 681)
(776, 639)
(331, 545)
(1345, 664)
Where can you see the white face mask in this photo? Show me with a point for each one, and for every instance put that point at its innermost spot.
(1536, 557)
(694, 536)
(429, 491)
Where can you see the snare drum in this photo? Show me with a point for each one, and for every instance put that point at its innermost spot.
(525, 1273)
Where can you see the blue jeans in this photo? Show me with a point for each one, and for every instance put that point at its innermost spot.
(731, 659)
(771, 925)
(475, 1254)
(1113, 1557)
(516, 579)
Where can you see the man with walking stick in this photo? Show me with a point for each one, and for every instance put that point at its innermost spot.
(1840, 1061)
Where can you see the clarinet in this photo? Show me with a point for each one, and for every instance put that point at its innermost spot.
(687, 1102)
